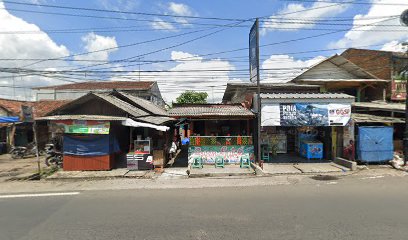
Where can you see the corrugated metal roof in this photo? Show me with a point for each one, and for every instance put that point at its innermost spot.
(145, 104)
(235, 92)
(306, 96)
(158, 120)
(210, 110)
(127, 107)
(83, 117)
(133, 111)
(343, 80)
(336, 61)
(368, 118)
(381, 105)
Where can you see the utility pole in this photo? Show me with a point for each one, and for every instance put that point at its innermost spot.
(404, 21)
(254, 76)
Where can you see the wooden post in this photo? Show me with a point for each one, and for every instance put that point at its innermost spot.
(12, 134)
(36, 146)
(334, 143)
(248, 123)
(358, 94)
(130, 138)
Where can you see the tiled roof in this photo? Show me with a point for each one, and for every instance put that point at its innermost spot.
(306, 96)
(13, 106)
(42, 107)
(210, 110)
(98, 85)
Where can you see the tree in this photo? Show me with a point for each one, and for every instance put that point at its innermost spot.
(192, 97)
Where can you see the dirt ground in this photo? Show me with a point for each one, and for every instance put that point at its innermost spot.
(18, 168)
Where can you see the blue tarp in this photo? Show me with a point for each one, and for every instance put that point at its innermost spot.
(375, 144)
(5, 119)
(89, 145)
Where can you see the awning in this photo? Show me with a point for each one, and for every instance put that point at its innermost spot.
(6, 119)
(131, 123)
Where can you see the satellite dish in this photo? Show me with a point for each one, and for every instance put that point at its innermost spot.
(404, 18)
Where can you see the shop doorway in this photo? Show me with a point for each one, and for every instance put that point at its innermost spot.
(297, 144)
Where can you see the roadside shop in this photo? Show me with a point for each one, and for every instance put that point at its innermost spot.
(303, 127)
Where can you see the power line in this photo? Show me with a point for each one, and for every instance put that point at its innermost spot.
(117, 47)
(271, 27)
(170, 47)
(350, 2)
(121, 12)
(246, 48)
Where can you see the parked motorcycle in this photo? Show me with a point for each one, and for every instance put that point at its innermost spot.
(53, 157)
(21, 152)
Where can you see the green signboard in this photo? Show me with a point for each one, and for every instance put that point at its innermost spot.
(83, 127)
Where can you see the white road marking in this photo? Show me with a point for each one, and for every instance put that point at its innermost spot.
(374, 177)
(39, 195)
(331, 183)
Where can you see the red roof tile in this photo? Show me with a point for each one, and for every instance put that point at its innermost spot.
(120, 85)
(13, 106)
(42, 107)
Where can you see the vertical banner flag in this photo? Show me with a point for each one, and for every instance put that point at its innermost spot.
(254, 52)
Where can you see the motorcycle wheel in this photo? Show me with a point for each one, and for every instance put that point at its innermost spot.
(41, 153)
(59, 163)
(16, 155)
(47, 161)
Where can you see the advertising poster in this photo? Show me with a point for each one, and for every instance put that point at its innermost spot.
(348, 141)
(270, 115)
(304, 114)
(339, 114)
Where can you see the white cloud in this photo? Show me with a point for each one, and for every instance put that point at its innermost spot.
(318, 10)
(183, 56)
(94, 42)
(395, 46)
(370, 35)
(120, 5)
(180, 9)
(160, 24)
(173, 8)
(172, 84)
(37, 46)
(285, 67)
(214, 82)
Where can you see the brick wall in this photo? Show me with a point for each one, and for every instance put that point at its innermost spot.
(375, 62)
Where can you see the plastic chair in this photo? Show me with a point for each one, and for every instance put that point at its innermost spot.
(244, 161)
(197, 162)
(265, 153)
(219, 162)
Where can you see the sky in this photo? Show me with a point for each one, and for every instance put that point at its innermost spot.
(183, 45)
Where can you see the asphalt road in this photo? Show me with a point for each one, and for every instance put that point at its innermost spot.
(358, 209)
